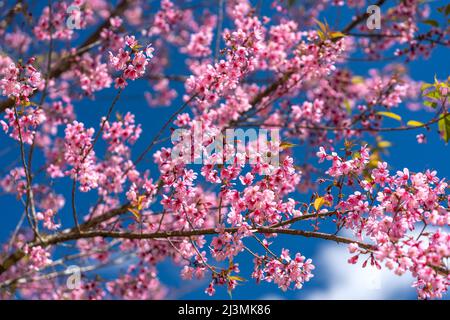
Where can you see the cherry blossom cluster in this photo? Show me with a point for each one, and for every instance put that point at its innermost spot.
(53, 22)
(79, 156)
(131, 61)
(285, 270)
(403, 214)
(345, 102)
(168, 20)
(120, 132)
(47, 218)
(401, 31)
(14, 182)
(92, 74)
(18, 40)
(47, 201)
(20, 81)
(200, 43)
(38, 257)
(138, 284)
(342, 167)
(244, 45)
(23, 126)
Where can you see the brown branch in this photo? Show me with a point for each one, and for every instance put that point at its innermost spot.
(328, 128)
(74, 235)
(381, 36)
(19, 254)
(30, 196)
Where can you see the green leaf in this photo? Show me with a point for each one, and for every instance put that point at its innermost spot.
(444, 127)
(236, 278)
(390, 115)
(321, 26)
(347, 107)
(425, 86)
(436, 81)
(384, 144)
(336, 35)
(322, 36)
(286, 145)
(433, 95)
(414, 123)
(325, 33)
(319, 202)
(431, 22)
(135, 212)
(430, 104)
(357, 80)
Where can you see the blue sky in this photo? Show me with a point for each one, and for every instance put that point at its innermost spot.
(334, 278)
